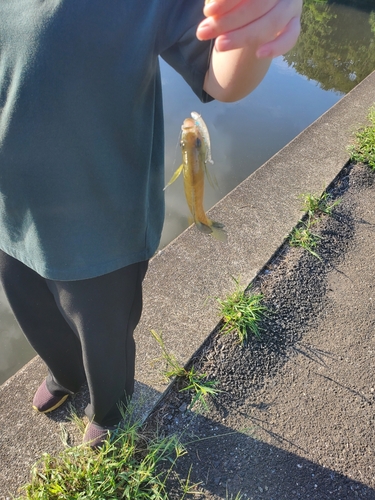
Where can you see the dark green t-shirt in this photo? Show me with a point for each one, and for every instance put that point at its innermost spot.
(81, 128)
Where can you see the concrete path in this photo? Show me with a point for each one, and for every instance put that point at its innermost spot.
(258, 215)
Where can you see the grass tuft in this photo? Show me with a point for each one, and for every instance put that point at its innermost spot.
(242, 312)
(302, 237)
(364, 148)
(128, 466)
(237, 497)
(317, 205)
(196, 382)
(314, 206)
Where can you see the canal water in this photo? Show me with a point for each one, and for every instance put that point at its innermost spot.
(336, 50)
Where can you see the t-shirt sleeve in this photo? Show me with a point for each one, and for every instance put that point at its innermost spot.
(189, 56)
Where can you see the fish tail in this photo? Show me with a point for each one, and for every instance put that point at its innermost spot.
(204, 228)
(215, 229)
(218, 231)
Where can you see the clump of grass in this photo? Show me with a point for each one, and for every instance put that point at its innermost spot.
(127, 466)
(242, 312)
(364, 148)
(302, 236)
(197, 382)
(237, 497)
(316, 205)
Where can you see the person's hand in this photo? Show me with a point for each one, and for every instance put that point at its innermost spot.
(273, 25)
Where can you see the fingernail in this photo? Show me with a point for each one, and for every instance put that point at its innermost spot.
(204, 29)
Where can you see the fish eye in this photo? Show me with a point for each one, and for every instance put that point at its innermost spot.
(198, 142)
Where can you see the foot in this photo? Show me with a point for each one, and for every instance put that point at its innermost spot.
(44, 401)
(96, 434)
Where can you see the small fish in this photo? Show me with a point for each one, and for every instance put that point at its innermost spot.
(195, 142)
(205, 135)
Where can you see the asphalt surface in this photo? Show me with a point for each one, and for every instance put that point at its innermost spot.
(296, 415)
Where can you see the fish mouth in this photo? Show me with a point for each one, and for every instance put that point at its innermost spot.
(189, 123)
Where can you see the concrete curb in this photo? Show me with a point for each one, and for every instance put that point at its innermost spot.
(184, 277)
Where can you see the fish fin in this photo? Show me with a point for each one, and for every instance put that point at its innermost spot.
(215, 229)
(211, 178)
(174, 176)
(218, 232)
(204, 228)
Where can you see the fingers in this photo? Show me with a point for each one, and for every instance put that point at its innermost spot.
(271, 25)
(232, 14)
(284, 42)
(220, 7)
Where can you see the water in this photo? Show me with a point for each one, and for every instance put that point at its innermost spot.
(243, 135)
(335, 52)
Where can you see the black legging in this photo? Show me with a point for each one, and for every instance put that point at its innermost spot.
(83, 330)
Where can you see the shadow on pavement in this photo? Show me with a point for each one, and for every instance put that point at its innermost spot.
(227, 462)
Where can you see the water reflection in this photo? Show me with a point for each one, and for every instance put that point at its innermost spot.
(337, 43)
(336, 51)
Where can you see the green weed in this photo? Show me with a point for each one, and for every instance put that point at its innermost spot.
(197, 382)
(237, 497)
(316, 205)
(127, 466)
(75, 419)
(302, 236)
(242, 312)
(364, 148)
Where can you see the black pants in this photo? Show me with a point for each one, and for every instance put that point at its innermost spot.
(83, 330)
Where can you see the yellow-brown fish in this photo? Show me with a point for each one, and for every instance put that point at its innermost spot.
(195, 154)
